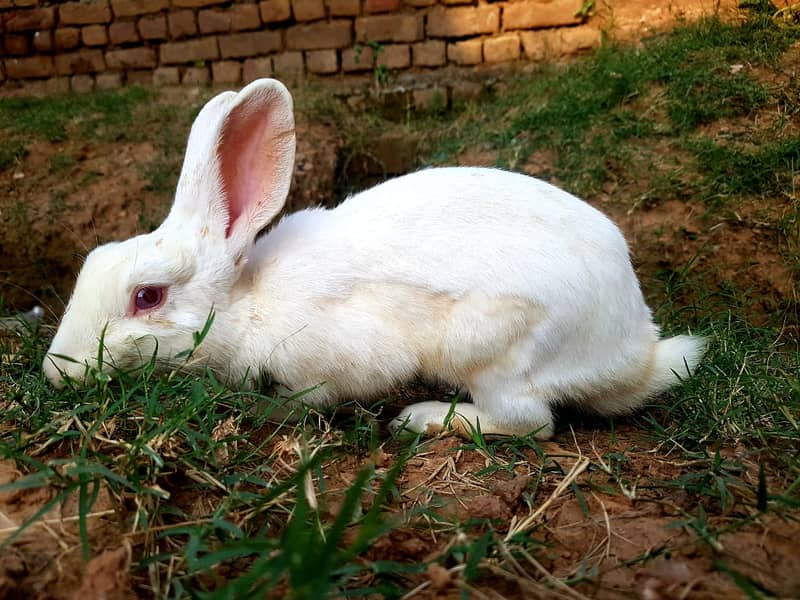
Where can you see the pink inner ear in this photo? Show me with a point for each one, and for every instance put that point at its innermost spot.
(243, 153)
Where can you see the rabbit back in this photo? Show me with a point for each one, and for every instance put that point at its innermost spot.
(450, 272)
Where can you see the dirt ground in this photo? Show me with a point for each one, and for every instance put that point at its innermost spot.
(601, 538)
(51, 218)
(620, 538)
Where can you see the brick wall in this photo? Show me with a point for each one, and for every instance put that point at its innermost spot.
(108, 43)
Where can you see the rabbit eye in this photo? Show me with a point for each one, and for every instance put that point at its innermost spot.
(148, 297)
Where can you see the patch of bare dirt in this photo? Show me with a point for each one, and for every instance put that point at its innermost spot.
(65, 198)
(52, 215)
(634, 19)
(45, 560)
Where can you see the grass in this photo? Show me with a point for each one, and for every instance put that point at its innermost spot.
(593, 111)
(130, 115)
(219, 502)
(104, 115)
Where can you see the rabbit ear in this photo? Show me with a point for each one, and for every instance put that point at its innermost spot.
(239, 160)
(256, 156)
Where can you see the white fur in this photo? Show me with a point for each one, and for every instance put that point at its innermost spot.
(492, 280)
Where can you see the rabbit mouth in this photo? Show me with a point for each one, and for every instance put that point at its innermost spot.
(61, 370)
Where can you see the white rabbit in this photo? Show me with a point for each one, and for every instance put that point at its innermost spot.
(491, 280)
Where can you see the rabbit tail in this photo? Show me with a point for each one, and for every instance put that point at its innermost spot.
(675, 359)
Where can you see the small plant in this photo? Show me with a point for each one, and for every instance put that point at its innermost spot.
(586, 9)
(60, 162)
(380, 73)
(12, 152)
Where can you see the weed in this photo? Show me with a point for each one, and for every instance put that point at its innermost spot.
(61, 162)
(11, 152)
(58, 204)
(732, 171)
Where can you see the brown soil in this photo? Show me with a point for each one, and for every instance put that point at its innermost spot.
(51, 218)
(606, 534)
(46, 560)
(626, 537)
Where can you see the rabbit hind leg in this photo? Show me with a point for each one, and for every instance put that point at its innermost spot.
(505, 414)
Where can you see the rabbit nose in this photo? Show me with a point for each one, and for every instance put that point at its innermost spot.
(53, 371)
(58, 371)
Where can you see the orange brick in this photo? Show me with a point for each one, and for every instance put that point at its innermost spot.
(226, 71)
(108, 81)
(463, 20)
(389, 28)
(344, 8)
(56, 85)
(244, 16)
(363, 58)
(131, 58)
(320, 36)
(28, 20)
(540, 45)
(239, 45)
(189, 51)
(213, 21)
(43, 87)
(379, 6)
(468, 52)
(359, 58)
(429, 54)
(123, 32)
(16, 45)
(84, 13)
(67, 38)
(552, 43)
(585, 37)
(139, 77)
(530, 14)
(30, 67)
(195, 76)
(256, 68)
(308, 10)
(43, 40)
(94, 35)
(395, 56)
(81, 83)
(166, 76)
(449, 2)
(182, 24)
(275, 10)
(501, 48)
(196, 3)
(83, 61)
(153, 27)
(420, 3)
(288, 63)
(134, 8)
(323, 62)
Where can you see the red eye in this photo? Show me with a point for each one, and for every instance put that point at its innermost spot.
(148, 297)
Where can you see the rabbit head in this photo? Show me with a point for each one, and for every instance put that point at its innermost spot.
(149, 294)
